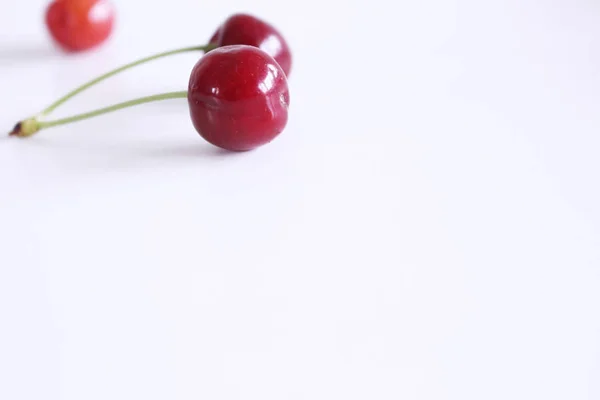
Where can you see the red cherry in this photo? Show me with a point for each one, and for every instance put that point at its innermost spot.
(251, 31)
(238, 97)
(78, 25)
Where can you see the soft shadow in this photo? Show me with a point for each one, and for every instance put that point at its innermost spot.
(191, 151)
(26, 53)
(129, 154)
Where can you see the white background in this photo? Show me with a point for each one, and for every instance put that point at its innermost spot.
(427, 227)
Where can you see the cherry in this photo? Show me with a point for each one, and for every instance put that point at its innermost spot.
(78, 25)
(249, 30)
(238, 97)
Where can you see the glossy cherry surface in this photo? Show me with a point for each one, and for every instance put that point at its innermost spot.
(78, 25)
(249, 30)
(238, 97)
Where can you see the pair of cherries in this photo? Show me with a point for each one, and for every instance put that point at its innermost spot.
(238, 94)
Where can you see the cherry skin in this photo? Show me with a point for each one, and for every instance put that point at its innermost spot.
(78, 25)
(238, 97)
(249, 30)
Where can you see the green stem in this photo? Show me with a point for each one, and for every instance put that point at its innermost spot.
(106, 110)
(114, 72)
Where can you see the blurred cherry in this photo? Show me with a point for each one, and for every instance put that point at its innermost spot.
(78, 25)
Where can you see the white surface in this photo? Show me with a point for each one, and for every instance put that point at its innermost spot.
(426, 228)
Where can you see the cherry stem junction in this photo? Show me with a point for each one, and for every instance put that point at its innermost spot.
(30, 126)
(114, 72)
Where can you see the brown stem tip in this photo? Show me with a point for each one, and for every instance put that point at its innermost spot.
(16, 130)
(25, 128)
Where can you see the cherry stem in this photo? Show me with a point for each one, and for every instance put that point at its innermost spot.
(31, 126)
(116, 107)
(114, 72)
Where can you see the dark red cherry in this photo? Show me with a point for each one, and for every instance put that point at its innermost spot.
(78, 25)
(249, 30)
(238, 97)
